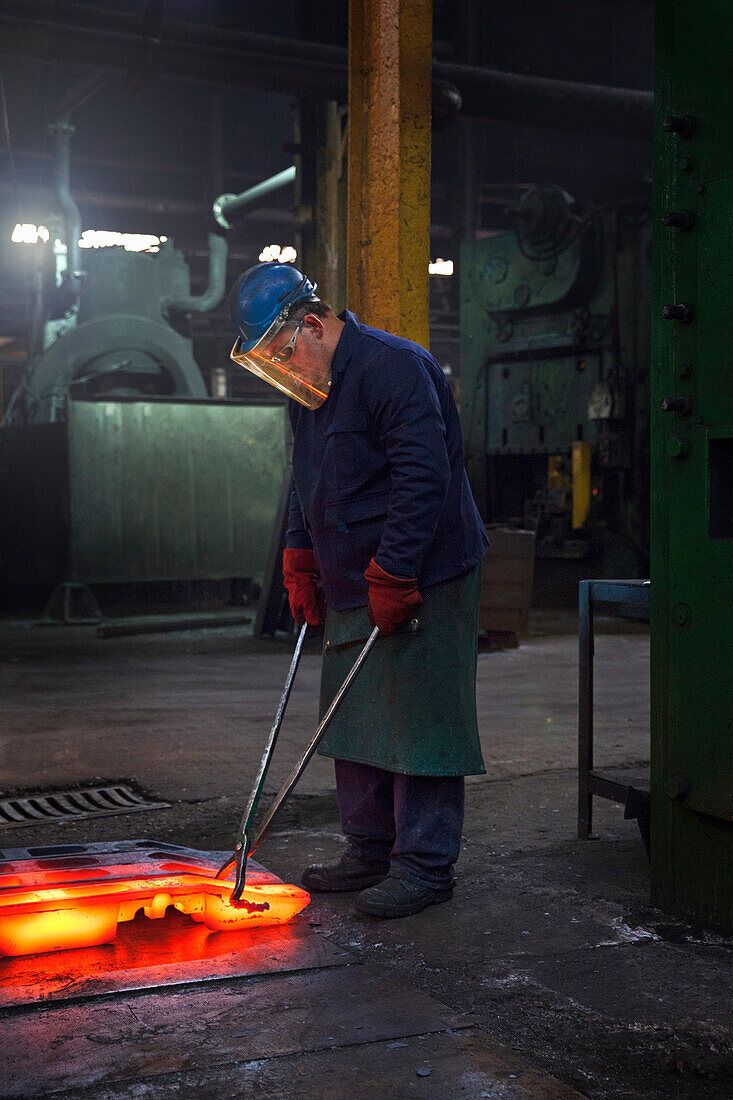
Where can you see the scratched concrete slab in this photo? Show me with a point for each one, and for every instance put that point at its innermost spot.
(79, 1045)
(189, 717)
(437, 1066)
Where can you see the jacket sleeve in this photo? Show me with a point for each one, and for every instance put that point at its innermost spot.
(297, 536)
(405, 411)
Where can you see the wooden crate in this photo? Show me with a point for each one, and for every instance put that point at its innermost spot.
(508, 572)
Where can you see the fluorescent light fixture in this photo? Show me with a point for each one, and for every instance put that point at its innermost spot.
(131, 242)
(285, 254)
(440, 267)
(27, 233)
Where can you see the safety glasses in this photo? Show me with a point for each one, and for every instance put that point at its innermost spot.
(286, 352)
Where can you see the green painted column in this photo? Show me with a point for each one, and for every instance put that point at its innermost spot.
(692, 463)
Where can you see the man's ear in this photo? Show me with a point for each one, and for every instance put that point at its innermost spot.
(314, 323)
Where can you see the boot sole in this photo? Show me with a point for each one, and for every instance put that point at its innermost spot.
(390, 912)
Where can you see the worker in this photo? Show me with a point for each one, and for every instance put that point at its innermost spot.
(383, 531)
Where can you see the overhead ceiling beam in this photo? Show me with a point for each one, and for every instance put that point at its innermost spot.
(106, 38)
(96, 160)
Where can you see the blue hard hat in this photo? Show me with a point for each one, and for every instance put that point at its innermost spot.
(263, 294)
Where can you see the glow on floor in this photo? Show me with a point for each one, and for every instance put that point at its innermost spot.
(56, 904)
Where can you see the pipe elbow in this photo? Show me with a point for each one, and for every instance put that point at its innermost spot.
(214, 292)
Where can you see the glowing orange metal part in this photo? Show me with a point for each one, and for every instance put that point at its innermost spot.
(51, 908)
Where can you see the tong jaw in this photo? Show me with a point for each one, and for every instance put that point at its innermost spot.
(241, 853)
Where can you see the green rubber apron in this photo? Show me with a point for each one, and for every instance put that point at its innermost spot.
(412, 708)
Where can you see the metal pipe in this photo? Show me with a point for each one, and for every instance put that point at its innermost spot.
(62, 131)
(227, 205)
(148, 205)
(200, 303)
(110, 39)
(550, 104)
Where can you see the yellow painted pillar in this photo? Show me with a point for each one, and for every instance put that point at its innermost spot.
(581, 484)
(388, 223)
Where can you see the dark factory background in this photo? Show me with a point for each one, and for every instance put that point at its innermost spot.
(541, 327)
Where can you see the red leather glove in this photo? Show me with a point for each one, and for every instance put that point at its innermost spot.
(301, 575)
(391, 599)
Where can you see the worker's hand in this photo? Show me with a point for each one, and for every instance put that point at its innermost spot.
(301, 576)
(391, 599)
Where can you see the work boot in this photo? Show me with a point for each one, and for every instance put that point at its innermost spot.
(350, 873)
(399, 897)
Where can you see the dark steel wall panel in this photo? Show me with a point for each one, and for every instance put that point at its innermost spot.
(141, 491)
(34, 494)
(172, 491)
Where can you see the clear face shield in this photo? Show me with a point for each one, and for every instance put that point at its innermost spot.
(272, 365)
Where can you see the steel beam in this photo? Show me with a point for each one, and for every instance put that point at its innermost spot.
(388, 223)
(107, 38)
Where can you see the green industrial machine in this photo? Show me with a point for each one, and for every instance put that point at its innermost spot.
(692, 464)
(115, 464)
(555, 381)
(122, 336)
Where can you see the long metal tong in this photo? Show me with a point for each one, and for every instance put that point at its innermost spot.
(244, 847)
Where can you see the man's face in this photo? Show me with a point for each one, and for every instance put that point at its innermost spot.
(299, 350)
(297, 360)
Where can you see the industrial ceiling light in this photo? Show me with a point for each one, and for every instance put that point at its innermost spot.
(274, 252)
(27, 233)
(131, 242)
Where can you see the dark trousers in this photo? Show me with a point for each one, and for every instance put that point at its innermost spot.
(409, 824)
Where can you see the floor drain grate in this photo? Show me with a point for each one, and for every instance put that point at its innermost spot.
(45, 807)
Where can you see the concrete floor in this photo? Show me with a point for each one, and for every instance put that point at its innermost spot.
(550, 953)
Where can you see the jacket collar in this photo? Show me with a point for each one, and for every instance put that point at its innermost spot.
(347, 342)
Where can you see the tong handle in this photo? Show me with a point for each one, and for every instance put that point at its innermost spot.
(241, 845)
(244, 847)
(290, 783)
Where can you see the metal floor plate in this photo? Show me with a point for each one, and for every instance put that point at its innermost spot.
(149, 955)
(152, 953)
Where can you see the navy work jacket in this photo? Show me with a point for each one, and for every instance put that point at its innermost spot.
(378, 470)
